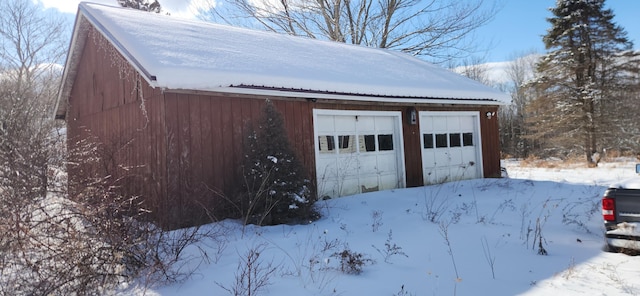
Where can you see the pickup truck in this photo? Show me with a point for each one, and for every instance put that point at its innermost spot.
(621, 213)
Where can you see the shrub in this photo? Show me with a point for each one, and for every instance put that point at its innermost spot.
(276, 190)
(352, 262)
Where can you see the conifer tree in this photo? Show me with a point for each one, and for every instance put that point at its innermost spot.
(583, 79)
(276, 188)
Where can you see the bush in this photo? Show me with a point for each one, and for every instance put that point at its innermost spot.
(352, 262)
(88, 244)
(276, 190)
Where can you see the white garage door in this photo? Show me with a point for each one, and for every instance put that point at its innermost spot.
(358, 151)
(451, 147)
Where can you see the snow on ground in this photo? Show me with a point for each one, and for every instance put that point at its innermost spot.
(490, 226)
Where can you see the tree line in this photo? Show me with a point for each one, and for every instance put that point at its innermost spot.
(580, 98)
(586, 84)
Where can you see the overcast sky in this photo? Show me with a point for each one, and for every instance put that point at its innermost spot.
(516, 29)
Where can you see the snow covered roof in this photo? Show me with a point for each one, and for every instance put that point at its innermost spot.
(181, 54)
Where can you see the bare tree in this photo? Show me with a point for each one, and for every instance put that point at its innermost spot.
(437, 30)
(31, 42)
(513, 131)
(475, 68)
(52, 244)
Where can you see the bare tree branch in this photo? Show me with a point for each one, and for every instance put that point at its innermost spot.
(437, 30)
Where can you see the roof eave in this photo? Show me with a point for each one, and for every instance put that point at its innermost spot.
(314, 95)
(70, 68)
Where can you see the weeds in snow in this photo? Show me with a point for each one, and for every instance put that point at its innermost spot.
(390, 249)
(252, 274)
(444, 231)
(435, 204)
(376, 216)
(403, 292)
(352, 262)
(491, 259)
(580, 212)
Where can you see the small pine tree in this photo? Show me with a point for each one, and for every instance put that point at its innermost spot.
(276, 190)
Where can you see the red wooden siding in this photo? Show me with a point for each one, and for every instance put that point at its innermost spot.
(124, 118)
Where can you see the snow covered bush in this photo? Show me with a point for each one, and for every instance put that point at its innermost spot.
(276, 189)
(91, 242)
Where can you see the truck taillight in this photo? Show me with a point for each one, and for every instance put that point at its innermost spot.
(608, 209)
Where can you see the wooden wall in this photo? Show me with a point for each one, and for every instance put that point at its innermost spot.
(123, 117)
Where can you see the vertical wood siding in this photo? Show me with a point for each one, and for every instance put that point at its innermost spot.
(115, 108)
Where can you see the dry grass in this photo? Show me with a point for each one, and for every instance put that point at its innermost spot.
(578, 161)
(571, 161)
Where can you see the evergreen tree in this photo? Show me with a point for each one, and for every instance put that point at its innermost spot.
(142, 5)
(276, 190)
(584, 77)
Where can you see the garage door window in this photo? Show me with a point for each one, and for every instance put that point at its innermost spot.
(326, 144)
(441, 141)
(346, 144)
(428, 141)
(367, 143)
(385, 142)
(454, 140)
(467, 139)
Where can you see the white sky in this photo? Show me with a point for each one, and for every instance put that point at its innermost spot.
(181, 8)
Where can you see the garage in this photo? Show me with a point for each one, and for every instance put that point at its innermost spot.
(451, 146)
(358, 151)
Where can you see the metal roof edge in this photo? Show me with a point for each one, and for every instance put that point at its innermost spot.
(311, 95)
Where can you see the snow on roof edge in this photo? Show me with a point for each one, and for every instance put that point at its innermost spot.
(478, 93)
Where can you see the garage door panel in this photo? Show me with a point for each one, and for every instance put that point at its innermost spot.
(466, 124)
(468, 155)
(348, 166)
(345, 123)
(453, 123)
(349, 187)
(366, 124)
(384, 124)
(326, 168)
(439, 123)
(365, 147)
(387, 163)
(450, 144)
(441, 157)
(325, 124)
(369, 183)
(388, 182)
(455, 158)
(442, 175)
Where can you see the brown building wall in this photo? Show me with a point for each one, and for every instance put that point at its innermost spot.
(113, 107)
